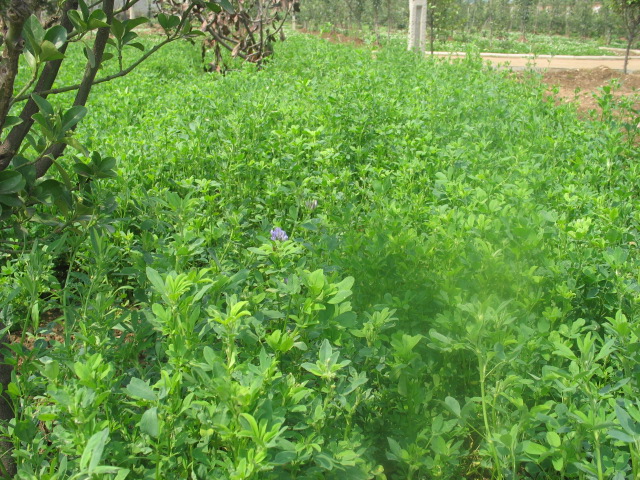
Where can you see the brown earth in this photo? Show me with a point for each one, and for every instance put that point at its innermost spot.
(334, 37)
(583, 86)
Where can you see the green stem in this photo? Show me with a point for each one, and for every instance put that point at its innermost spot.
(65, 301)
(635, 468)
(27, 86)
(488, 434)
(598, 456)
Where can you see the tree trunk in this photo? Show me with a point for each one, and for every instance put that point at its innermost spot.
(14, 18)
(388, 20)
(432, 29)
(626, 54)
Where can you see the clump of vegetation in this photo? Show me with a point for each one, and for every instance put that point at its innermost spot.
(343, 265)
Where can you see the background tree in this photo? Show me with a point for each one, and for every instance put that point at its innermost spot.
(441, 16)
(629, 11)
(247, 29)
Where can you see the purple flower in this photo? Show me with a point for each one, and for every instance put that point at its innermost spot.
(277, 234)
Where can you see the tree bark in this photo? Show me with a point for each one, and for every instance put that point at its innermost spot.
(14, 17)
(626, 55)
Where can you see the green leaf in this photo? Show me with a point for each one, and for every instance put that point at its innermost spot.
(214, 7)
(622, 436)
(149, 422)
(92, 453)
(11, 201)
(249, 423)
(33, 33)
(105, 165)
(535, 449)
(47, 417)
(122, 474)
(156, 280)
(627, 423)
(439, 337)
(117, 29)
(140, 389)
(128, 37)
(453, 405)
(77, 21)
(210, 356)
(339, 297)
(97, 19)
(397, 453)
(553, 439)
(312, 368)
(72, 116)
(84, 9)
(51, 370)
(75, 143)
(44, 106)
(11, 121)
(46, 126)
(66, 178)
(315, 281)
(325, 351)
(31, 60)
(346, 283)
(135, 22)
(226, 5)
(91, 58)
(25, 430)
(285, 457)
(355, 382)
(439, 445)
(558, 463)
(11, 182)
(137, 45)
(168, 22)
(49, 52)
(324, 461)
(57, 35)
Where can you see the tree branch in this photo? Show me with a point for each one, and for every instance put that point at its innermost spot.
(50, 72)
(43, 164)
(121, 73)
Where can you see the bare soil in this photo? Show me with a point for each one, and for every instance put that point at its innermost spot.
(583, 85)
(334, 37)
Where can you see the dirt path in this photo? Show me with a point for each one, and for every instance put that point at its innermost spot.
(583, 86)
(553, 62)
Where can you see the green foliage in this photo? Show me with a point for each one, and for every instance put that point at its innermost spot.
(457, 295)
(514, 43)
